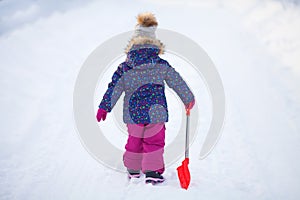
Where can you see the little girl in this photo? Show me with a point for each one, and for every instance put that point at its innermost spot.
(145, 110)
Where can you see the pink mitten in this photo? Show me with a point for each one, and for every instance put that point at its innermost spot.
(190, 105)
(101, 114)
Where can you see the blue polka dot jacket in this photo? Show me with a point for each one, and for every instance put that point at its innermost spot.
(142, 77)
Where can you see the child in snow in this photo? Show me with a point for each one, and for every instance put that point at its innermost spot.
(145, 110)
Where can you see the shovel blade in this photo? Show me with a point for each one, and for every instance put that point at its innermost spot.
(184, 174)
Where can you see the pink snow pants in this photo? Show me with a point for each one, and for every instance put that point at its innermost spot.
(145, 147)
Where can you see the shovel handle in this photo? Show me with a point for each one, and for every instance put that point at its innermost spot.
(187, 133)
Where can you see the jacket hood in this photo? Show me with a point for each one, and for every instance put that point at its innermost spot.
(143, 56)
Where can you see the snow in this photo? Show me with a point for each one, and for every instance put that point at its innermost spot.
(254, 44)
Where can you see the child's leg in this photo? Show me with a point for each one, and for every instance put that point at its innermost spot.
(133, 155)
(153, 148)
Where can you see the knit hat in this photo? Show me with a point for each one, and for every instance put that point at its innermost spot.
(144, 32)
(146, 26)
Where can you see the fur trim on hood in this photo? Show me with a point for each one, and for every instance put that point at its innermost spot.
(145, 40)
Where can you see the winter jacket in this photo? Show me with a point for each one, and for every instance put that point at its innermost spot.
(142, 78)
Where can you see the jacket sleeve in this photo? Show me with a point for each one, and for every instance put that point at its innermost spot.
(114, 90)
(176, 82)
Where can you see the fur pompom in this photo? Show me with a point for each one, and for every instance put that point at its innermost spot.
(146, 19)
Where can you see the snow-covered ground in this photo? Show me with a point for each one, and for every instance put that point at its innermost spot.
(255, 46)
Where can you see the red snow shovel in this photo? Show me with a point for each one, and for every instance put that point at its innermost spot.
(183, 170)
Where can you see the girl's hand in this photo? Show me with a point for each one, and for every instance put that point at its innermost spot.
(190, 105)
(101, 114)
